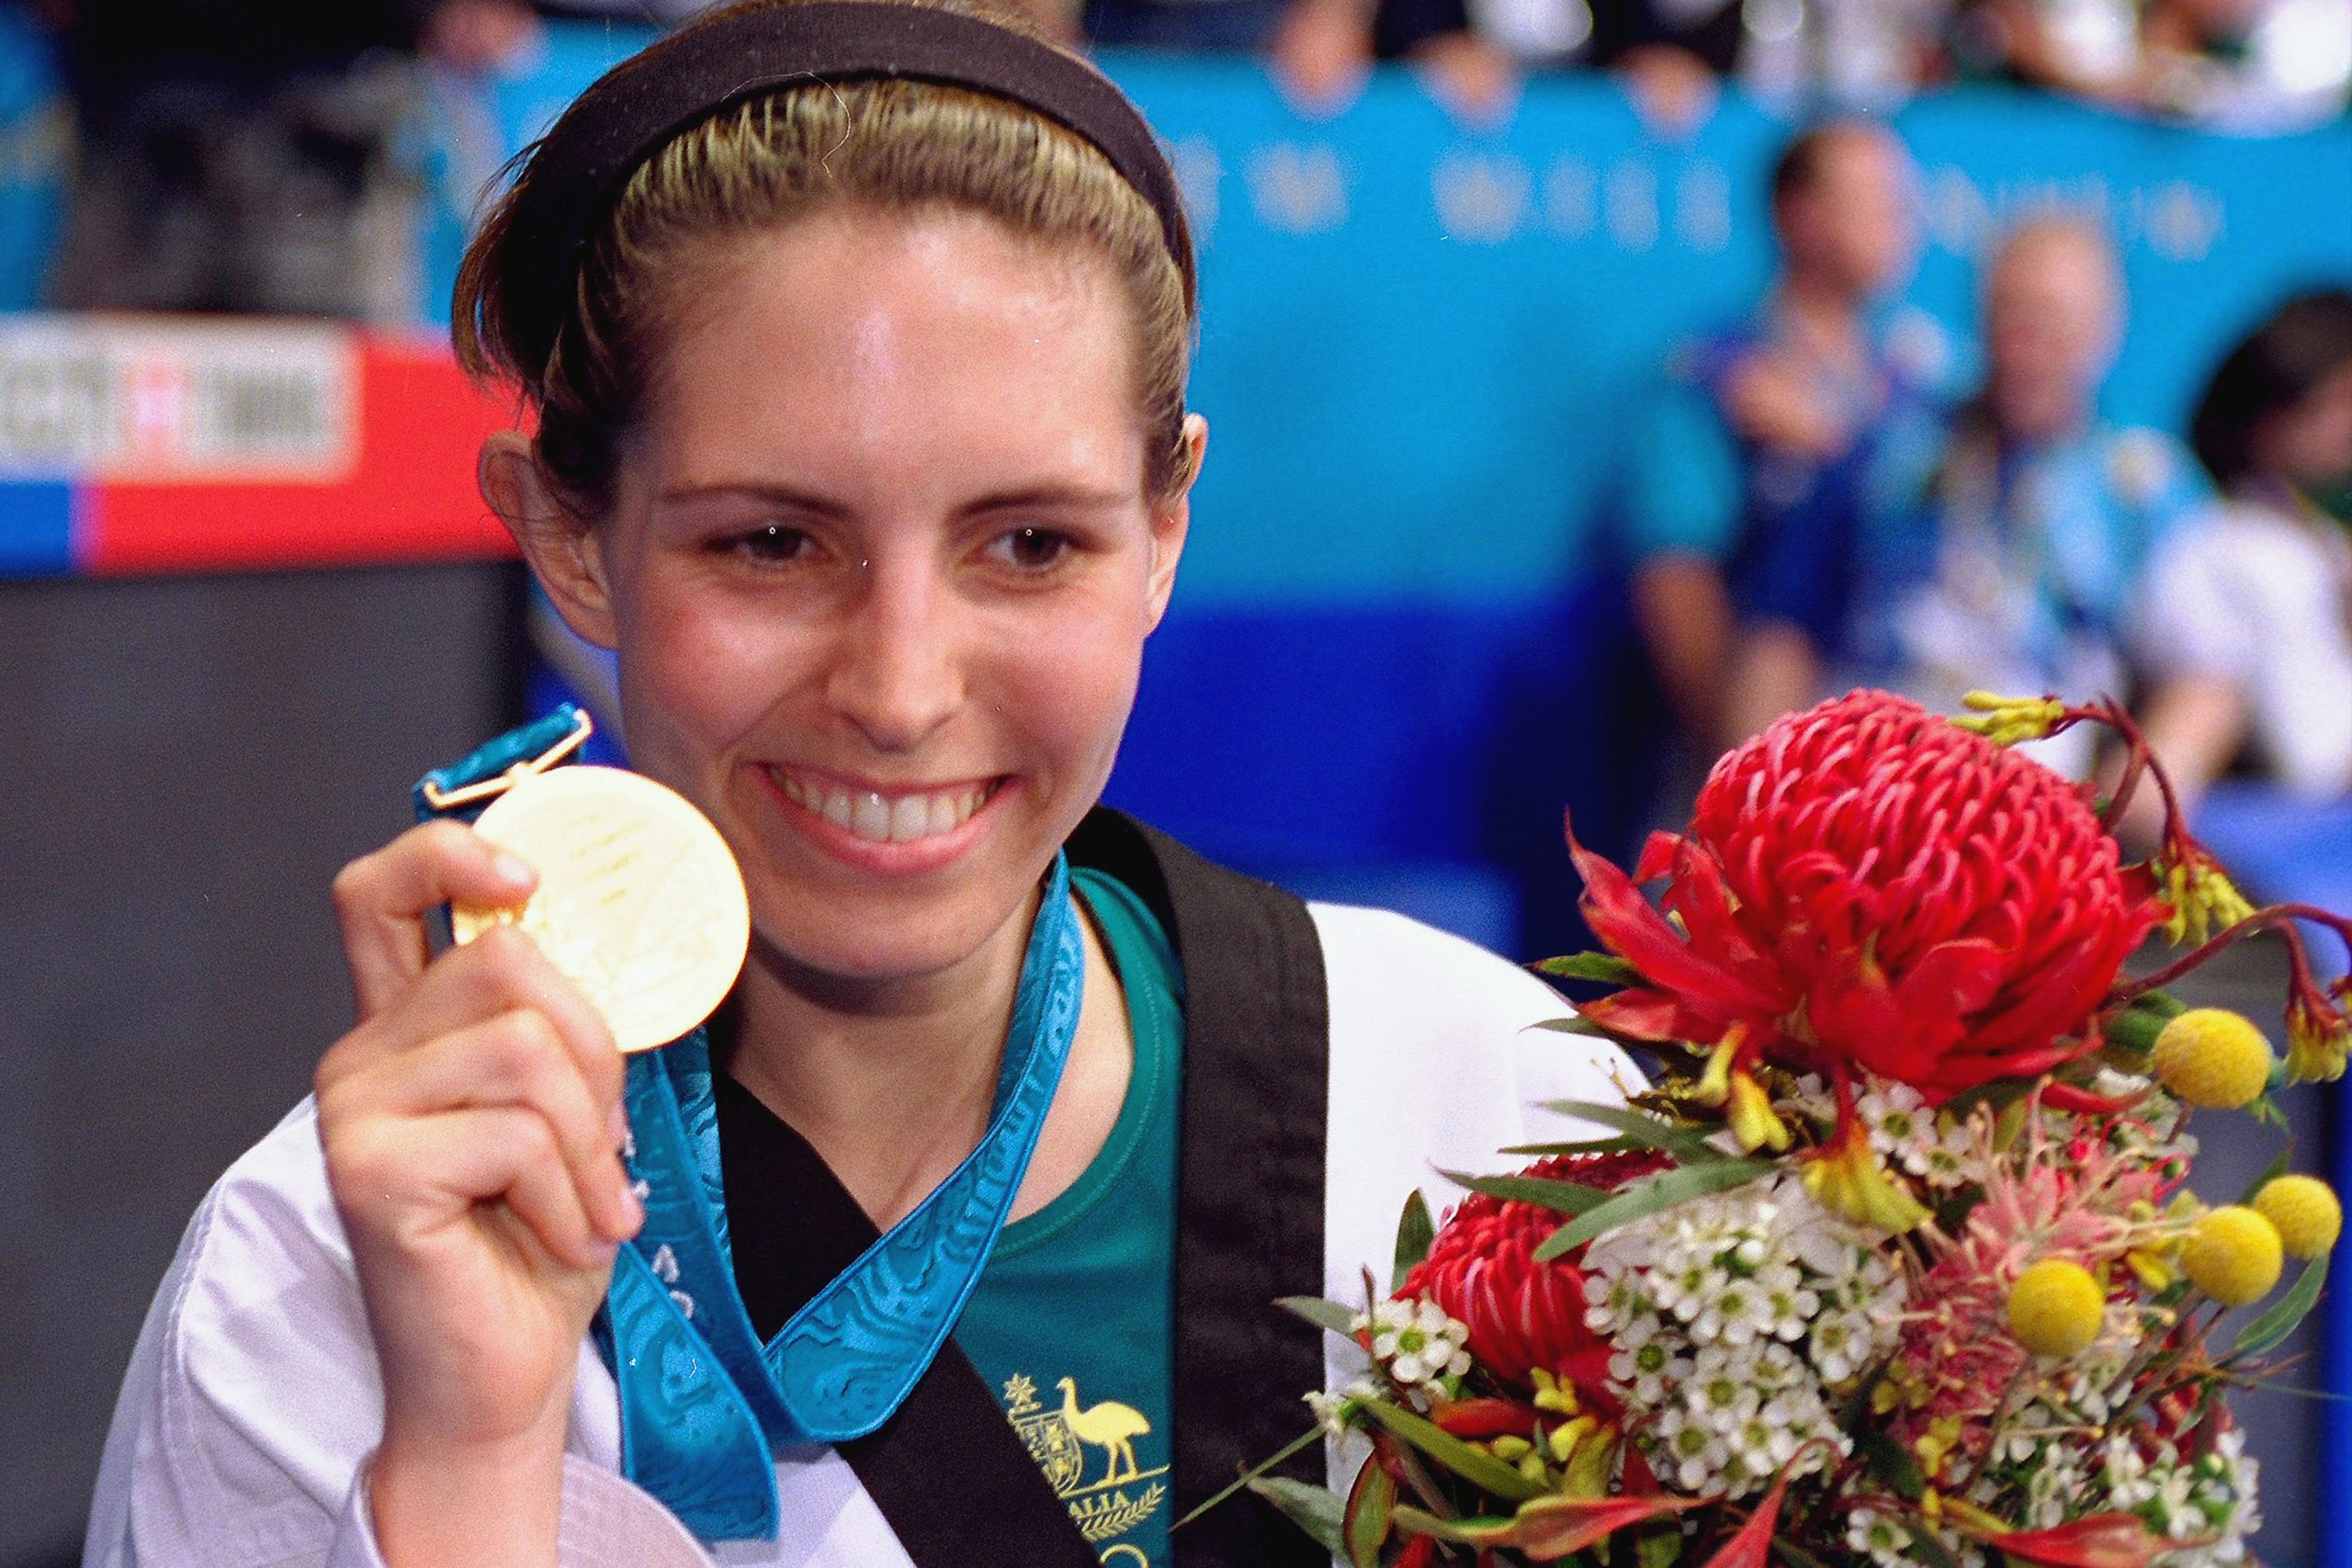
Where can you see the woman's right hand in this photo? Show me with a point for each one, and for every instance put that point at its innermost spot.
(471, 1122)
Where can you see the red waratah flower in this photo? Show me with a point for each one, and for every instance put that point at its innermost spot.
(1523, 1314)
(1866, 885)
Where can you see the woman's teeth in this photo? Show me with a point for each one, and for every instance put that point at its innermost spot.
(885, 819)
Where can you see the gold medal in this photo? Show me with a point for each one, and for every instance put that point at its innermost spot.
(640, 903)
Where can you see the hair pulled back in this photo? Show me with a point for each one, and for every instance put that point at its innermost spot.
(2275, 367)
(893, 145)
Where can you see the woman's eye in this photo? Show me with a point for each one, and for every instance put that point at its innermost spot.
(773, 544)
(1033, 549)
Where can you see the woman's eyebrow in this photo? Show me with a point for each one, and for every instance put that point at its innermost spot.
(1048, 493)
(1061, 493)
(755, 489)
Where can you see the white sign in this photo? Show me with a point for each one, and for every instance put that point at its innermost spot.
(123, 398)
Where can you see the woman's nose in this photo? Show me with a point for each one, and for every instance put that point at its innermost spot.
(895, 677)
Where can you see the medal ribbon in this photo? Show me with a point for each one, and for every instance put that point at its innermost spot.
(703, 1402)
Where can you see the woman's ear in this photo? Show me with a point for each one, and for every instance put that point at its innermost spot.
(561, 546)
(1171, 520)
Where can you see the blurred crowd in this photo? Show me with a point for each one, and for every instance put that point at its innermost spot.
(238, 154)
(1810, 511)
(1808, 508)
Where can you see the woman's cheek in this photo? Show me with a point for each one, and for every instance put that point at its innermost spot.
(710, 671)
(1078, 678)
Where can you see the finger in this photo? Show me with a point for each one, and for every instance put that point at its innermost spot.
(547, 1200)
(449, 1164)
(516, 1060)
(381, 900)
(499, 971)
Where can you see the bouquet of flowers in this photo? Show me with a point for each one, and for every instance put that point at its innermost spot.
(1899, 1257)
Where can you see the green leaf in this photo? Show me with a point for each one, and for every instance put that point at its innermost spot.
(1266, 1467)
(2131, 1031)
(1929, 1552)
(1476, 1466)
(1340, 1320)
(1659, 1548)
(1606, 968)
(2270, 1330)
(1482, 1530)
(1415, 1231)
(2000, 1095)
(1370, 1514)
(1561, 1197)
(1788, 1549)
(2277, 1168)
(1603, 1147)
(1686, 1144)
(1551, 1528)
(1892, 1463)
(1312, 1508)
(1574, 1025)
(1657, 1194)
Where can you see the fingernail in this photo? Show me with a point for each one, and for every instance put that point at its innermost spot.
(514, 869)
(632, 1209)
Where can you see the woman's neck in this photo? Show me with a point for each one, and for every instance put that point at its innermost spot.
(891, 1083)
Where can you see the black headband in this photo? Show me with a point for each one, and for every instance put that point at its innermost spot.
(581, 163)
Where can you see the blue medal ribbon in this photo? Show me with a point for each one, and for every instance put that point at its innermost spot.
(703, 1402)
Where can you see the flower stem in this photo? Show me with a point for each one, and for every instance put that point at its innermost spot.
(2279, 918)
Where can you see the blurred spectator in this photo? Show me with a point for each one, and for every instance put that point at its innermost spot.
(1669, 51)
(1852, 51)
(236, 154)
(2238, 65)
(1766, 441)
(2018, 567)
(1320, 50)
(1672, 53)
(2248, 621)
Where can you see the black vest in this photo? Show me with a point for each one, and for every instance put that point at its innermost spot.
(949, 1474)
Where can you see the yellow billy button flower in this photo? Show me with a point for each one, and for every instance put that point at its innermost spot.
(2056, 1308)
(2006, 721)
(2213, 1058)
(2233, 1255)
(2304, 1211)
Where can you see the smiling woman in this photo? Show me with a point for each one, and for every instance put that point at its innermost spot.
(857, 335)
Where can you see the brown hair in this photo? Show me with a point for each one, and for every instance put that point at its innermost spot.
(767, 160)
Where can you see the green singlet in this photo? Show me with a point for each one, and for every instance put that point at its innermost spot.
(1072, 1322)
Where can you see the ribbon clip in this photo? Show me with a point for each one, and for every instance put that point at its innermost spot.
(440, 799)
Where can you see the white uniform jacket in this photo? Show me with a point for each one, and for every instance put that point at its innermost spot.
(1334, 1060)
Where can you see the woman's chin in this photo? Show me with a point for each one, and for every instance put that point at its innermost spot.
(851, 958)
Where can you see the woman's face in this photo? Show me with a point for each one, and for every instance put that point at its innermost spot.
(879, 571)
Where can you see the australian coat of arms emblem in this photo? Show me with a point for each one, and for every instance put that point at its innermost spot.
(1088, 1453)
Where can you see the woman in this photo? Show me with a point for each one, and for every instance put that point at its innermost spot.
(857, 335)
(2247, 625)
